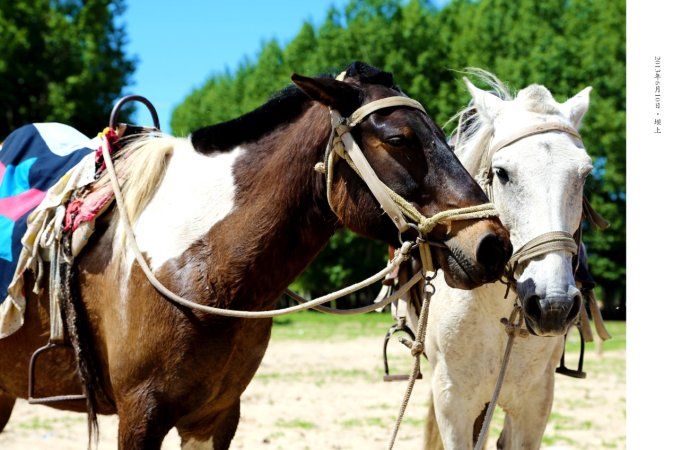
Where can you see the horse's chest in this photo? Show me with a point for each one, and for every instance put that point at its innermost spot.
(532, 365)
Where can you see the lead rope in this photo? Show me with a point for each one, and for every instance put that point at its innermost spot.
(513, 329)
(417, 347)
(402, 254)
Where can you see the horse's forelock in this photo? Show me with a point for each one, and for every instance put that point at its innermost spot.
(538, 99)
(369, 74)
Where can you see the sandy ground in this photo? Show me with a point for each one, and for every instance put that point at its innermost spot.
(318, 394)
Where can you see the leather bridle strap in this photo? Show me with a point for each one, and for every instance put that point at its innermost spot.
(552, 241)
(404, 215)
(532, 130)
(347, 148)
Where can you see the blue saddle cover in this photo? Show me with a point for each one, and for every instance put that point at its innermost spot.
(32, 159)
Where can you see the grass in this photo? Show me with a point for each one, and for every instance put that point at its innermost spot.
(296, 423)
(311, 325)
(365, 421)
(317, 375)
(617, 342)
(48, 424)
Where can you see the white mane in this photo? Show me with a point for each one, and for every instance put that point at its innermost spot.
(474, 131)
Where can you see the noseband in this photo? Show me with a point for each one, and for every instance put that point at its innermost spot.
(341, 145)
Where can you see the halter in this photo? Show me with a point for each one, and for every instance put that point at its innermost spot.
(551, 241)
(341, 145)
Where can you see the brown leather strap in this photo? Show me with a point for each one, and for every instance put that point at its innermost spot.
(531, 131)
(592, 216)
(363, 111)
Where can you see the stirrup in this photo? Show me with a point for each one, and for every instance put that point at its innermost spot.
(392, 330)
(32, 368)
(579, 373)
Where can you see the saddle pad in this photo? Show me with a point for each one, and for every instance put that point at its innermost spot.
(32, 159)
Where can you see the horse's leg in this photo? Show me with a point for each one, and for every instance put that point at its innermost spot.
(6, 405)
(455, 411)
(214, 435)
(432, 436)
(144, 421)
(526, 421)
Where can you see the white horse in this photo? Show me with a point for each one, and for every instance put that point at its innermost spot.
(537, 186)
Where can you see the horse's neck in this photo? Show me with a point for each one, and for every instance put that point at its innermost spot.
(245, 221)
(492, 301)
(490, 296)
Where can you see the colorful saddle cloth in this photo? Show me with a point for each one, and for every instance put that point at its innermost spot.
(33, 159)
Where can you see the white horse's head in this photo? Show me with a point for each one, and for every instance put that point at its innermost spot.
(537, 185)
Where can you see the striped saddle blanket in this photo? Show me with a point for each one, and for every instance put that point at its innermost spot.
(34, 159)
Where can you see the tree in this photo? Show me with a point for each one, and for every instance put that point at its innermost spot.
(61, 61)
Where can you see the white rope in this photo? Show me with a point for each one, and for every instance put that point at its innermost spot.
(402, 254)
(368, 308)
(513, 329)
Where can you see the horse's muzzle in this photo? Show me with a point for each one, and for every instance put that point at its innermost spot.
(468, 267)
(552, 315)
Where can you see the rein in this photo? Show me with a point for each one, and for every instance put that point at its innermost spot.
(401, 254)
(342, 144)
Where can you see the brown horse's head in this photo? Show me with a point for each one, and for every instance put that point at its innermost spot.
(409, 153)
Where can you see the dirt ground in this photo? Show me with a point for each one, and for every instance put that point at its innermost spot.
(325, 394)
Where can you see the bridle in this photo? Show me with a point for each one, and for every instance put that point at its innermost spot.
(342, 146)
(551, 241)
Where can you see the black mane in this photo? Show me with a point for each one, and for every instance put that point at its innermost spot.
(282, 107)
(279, 109)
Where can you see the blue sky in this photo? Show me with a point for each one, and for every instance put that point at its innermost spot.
(180, 43)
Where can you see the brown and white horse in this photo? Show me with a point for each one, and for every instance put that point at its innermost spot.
(229, 217)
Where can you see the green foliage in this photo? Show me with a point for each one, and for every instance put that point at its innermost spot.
(61, 61)
(564, 45)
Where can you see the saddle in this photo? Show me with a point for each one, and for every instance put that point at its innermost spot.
(64, 232)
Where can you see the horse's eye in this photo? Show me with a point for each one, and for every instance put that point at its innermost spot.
(396, 141)
(501, 174)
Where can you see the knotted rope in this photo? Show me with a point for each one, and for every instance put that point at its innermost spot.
(417, 347)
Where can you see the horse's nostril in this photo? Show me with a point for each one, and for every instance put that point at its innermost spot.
(491, 255)
(532, 307)
(575, 309)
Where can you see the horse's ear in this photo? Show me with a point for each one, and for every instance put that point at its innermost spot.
(576, 107)
(338, 95)
(487, 104)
